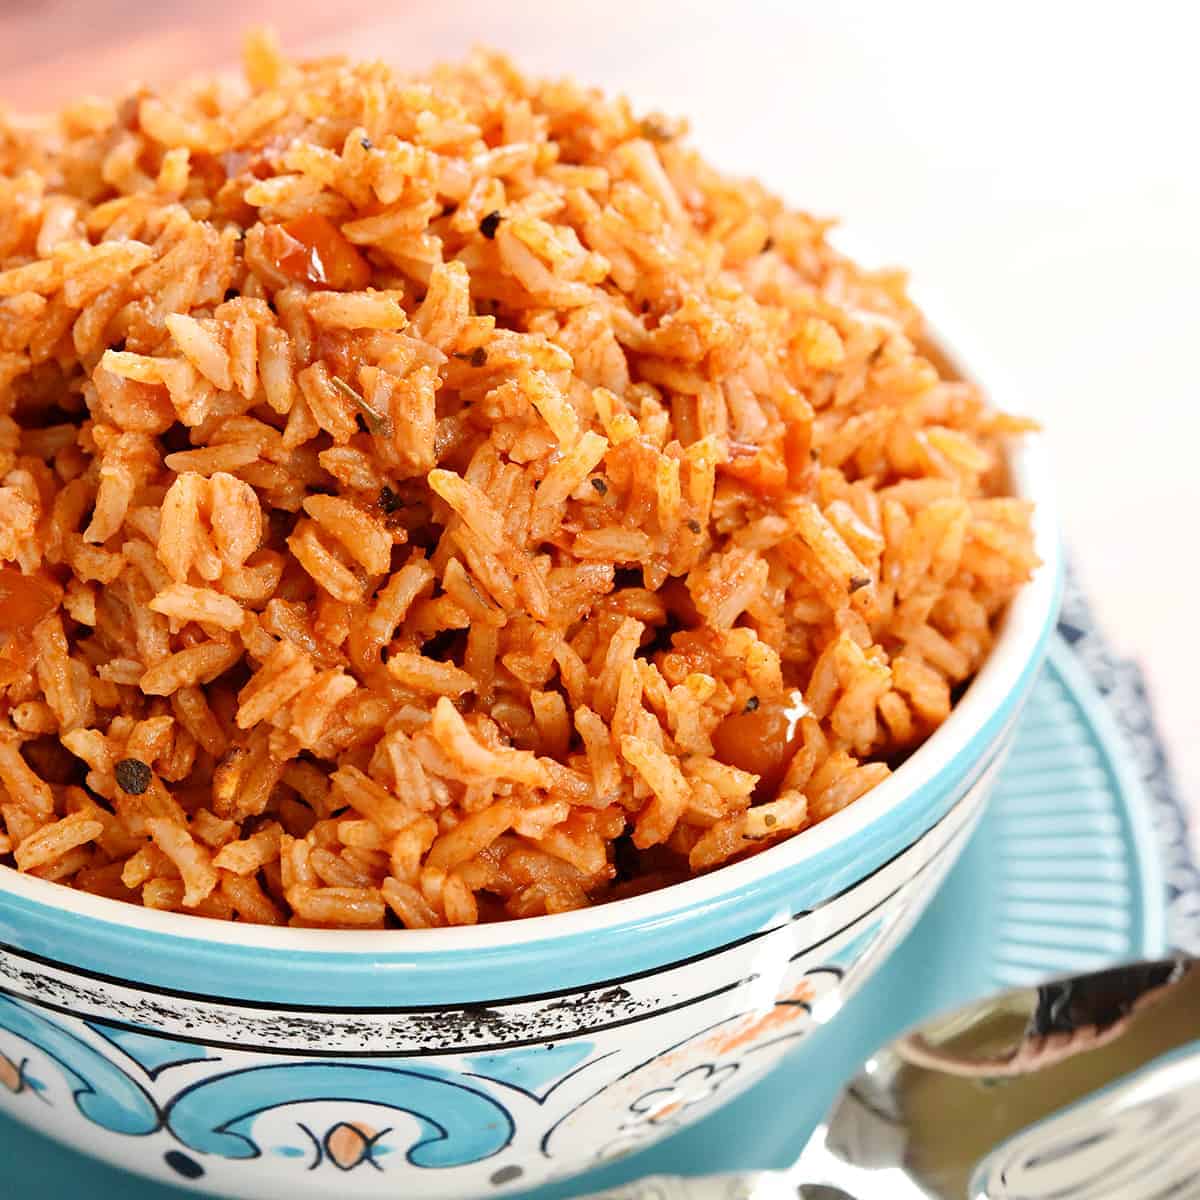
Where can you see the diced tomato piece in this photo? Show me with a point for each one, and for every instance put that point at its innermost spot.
(762, 740)
(312, 250)
(24, 601)
(759, 467)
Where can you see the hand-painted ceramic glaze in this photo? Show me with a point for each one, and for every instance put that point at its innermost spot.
(261, 1062)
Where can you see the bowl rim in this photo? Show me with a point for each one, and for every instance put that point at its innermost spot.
(1022, 637)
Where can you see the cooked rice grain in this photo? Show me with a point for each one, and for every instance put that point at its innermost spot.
(429, 503)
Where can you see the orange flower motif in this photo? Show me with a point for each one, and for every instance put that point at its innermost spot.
(12, 1075)
(349, 1145)
(788, 1010)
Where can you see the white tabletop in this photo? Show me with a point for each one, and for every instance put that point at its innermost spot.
(1034, 164)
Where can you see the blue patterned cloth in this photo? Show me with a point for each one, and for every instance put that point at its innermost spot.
(1123, 686)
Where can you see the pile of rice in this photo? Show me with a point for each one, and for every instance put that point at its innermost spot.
(432, 501)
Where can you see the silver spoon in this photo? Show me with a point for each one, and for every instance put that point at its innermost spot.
(1081, 1089)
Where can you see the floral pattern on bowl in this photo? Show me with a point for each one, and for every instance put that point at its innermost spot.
(446, 1100)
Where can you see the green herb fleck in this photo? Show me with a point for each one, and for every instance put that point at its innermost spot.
(477, 357)
(379, 424)
(600, 486)
(751, 705)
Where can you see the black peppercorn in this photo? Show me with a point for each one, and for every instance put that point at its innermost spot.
(133, 776)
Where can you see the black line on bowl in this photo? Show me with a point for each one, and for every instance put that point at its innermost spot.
(433, 1052)
(483, 1048)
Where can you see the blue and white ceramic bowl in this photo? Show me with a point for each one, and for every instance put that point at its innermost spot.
(464, 1062)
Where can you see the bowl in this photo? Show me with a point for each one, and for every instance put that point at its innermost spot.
(258, 1062)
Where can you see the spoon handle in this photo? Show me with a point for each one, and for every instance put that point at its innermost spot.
(1087, 1087)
